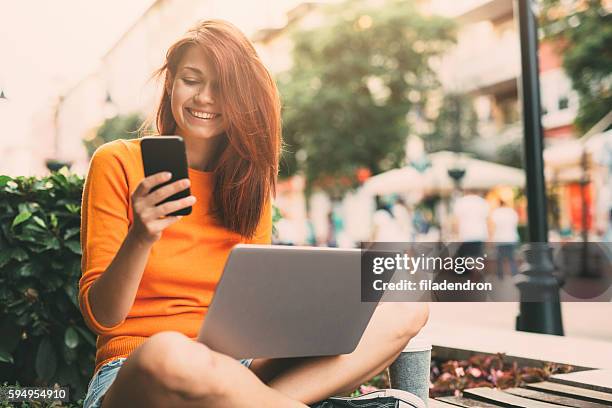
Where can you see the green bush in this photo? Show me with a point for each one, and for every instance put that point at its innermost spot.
(117, 127)
(44, 338)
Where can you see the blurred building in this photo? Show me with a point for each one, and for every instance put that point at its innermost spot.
(486, 63)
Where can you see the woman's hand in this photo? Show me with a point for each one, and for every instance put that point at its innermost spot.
(149, 218)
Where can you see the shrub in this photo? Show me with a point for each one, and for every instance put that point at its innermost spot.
(117, 127)
(44, 338)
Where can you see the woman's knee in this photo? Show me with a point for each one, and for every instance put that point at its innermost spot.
(174, 362)
(410, 319)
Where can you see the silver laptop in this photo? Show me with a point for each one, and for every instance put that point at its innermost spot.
(284, 301)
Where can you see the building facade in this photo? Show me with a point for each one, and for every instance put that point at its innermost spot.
(486, 63)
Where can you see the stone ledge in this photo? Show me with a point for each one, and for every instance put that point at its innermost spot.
(461, 341)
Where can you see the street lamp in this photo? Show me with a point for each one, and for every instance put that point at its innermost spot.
(536, 280)
(456, 173)
(55, 163)
(110, 108)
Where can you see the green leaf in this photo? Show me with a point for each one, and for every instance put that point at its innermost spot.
(73, 246)
(4, 180)
(71, 232)
(46, 360)
(5, 257)
(73, 208)
(19, 254)
(71, 292)
(6, 357)
(26, 269)
(39, 221)
(53, 219)
(71, 338)
(23, 320)
(51, 242)
(21, 217)
(87, 335)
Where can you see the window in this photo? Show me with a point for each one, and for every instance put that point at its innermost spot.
(563, 103)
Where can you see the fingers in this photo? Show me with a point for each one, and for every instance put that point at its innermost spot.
(172, 206)
(150, 220)
(145, 186)
(164, 192)
(163, 223)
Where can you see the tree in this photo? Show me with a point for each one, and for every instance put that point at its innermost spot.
(117, 127)
(582, 29)
(353, 81)
(455, 126)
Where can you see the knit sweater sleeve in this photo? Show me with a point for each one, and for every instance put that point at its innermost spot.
(104, 222)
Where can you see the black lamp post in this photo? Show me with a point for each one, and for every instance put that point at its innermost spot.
(536, 280)
(54, 163)
(457, 171)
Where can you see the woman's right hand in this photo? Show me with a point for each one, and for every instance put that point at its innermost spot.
(150, 219)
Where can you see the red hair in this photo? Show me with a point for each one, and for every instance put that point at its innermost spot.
(247, 165)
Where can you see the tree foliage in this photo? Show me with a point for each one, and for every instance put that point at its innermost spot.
(456, 124)
(117, 127)
(354, 79)
(582, 30)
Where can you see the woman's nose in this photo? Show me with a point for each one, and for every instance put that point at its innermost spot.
(205, 94)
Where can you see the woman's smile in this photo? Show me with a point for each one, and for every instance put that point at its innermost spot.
(202, 115)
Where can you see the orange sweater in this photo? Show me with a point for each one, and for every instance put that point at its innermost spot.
(184, 266)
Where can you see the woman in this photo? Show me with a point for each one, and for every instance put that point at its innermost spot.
(148, 278)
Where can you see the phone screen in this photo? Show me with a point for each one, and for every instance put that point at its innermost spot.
(166, 153)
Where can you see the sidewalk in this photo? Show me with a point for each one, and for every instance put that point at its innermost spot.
(489, 328)
(581, 320)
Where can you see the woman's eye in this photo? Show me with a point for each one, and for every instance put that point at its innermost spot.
(188, 81)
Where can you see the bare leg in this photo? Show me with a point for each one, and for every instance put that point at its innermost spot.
(171, 370)
(313, 379)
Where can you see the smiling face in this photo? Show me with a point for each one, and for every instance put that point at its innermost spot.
(195, 97)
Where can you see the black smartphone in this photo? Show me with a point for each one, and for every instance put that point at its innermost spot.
(166, 153)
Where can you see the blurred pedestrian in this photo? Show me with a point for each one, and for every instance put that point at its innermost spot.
(470, 217)
(331, 231)
(403, 217)
(504, 224)
(384, 226)
(420, 221)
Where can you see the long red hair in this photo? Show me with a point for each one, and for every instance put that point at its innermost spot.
(247, 164)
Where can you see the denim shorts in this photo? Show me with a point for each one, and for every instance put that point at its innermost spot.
(104, 377)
